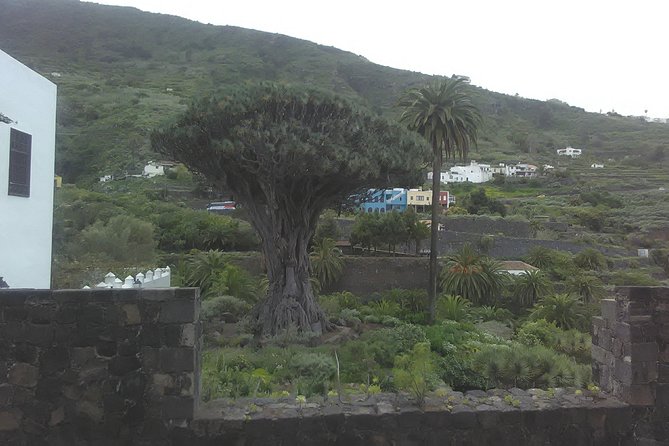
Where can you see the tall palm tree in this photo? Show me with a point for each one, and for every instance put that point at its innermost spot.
(476, 278)
(530, 286)
(445, 116)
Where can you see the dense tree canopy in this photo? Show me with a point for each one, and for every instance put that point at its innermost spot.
(288, 154)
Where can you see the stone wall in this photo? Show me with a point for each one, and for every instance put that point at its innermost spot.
(630, 354)
(366, 275)
(121, 367)
(97, 366)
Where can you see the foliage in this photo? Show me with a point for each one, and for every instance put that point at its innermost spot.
(477, 278)
(387, 230)
(444, 114)
(569, 342)
(288, 154)
(530, 286)
(479, 203)
(326, 262)
(416, 372)
(565, 310)
(590, 259)
(588, 286)
(632, 278)
(454, 308)
(327, 227)
(215, 307)
(122, 238)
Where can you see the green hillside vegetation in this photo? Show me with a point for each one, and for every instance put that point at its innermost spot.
(123, 72)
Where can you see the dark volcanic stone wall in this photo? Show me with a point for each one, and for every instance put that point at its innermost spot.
(97, 366)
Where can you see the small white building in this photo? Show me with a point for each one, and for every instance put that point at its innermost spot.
(516, 170)
(27, 150)
(155, 168)
(597, 166)
(473, 173)
(516, 267)
(570, 151)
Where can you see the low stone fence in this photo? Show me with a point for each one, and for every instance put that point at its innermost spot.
(122, 367)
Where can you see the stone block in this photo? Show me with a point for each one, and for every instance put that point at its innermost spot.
(188, 335)
(190, 293)
(177, 408)
(24, 375)
(638, 395)
(663, 373)
(54, 359)
(42, 314)
(662, 395)
(71, 296)
(132, 315)
(26, 353)
(177, 312)
(157, 294)
(66, 314)
(39, 335)
(171, 335)
(628, 372)
(81, 357)
(10, 420)
(643, 352)
(179, 359)
(609, 311)
(600, 355)
(150, 359)
(120, 365)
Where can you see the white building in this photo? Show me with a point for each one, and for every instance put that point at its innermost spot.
(155, 168)
(27, 148)
(516, 170)
(596, 166)
(570, 151)
(474, 173)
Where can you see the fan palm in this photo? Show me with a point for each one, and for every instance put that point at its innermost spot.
(445, 116)
(326, 262)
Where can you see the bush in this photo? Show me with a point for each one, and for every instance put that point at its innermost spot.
(215, 307)
(312, 372)
(415, 372)
(122, 238)
(590, 259)
(454, 308)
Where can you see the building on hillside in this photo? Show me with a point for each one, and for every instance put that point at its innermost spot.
(516, 267)
(596, 166)
(570, 151)
(419, 199)
(473, 173)
(155, 168)
(27, 150)
(524, 170)
(384, 200)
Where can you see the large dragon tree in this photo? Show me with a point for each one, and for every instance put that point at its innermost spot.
(287, 155)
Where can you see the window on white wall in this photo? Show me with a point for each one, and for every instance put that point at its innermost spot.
(20, 145)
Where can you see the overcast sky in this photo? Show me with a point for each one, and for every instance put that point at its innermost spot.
(595, 54)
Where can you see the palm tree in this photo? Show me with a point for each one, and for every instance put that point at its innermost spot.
(472, 276)
(445, 116)
(565, 310)
(326, 262)
(530, 287)
(588, 286)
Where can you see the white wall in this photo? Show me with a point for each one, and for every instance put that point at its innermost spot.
(26, 223)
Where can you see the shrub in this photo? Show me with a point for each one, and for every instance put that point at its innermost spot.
(122, 238)
(415, 372)
(590, 259)
(216, 307)
(313, 372)
(454, 308)
(565, 310)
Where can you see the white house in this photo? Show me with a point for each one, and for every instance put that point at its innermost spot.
(515, 170)
(596, 166)
(570, 151)
(474, 173)
(516, 267)
(155, 168)
(27, 147)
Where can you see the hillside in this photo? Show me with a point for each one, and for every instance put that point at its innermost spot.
(121, 72)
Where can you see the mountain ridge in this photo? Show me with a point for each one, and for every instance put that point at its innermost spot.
(121, 72)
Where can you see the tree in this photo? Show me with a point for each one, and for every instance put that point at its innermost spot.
(287, 155)
(326, 262)
(530, 287)
(565, 310)
(445, 116)
(472, 276)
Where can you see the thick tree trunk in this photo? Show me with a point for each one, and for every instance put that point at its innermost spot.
(434, 232)
(290, 299)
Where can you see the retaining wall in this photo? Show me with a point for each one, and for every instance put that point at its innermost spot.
(121, 367)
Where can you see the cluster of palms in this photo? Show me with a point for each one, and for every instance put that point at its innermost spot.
(480, 280)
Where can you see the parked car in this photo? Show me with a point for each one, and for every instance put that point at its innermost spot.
(221, 207)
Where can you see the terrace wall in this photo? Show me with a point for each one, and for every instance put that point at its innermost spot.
(121, 367)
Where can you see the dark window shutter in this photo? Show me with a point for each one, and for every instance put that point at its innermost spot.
(20, 145)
